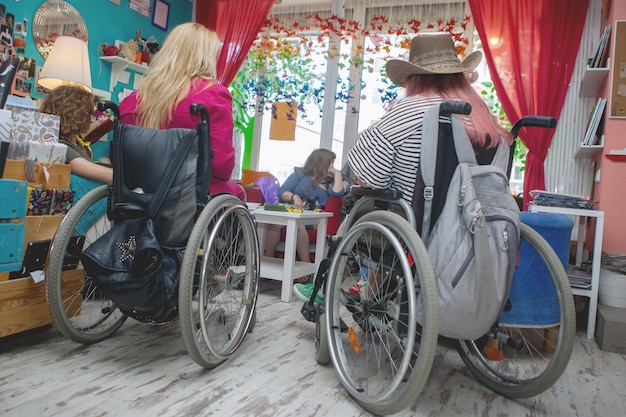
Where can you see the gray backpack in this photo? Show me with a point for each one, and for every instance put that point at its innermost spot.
(473, 243)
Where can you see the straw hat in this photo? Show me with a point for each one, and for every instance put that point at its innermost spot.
(431, 53)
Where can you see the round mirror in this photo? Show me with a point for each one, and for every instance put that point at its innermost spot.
(56, 18)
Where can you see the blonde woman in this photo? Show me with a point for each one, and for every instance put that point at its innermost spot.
(184, 72)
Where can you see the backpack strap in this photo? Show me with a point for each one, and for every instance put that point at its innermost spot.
(501, 158)
(176, 161)
(428, 155)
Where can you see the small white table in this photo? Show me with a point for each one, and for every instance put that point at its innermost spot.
(288, 269)
(592, 293)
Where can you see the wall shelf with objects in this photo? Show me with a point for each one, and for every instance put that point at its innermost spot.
(592, 80)
(119, 64)
(589, 151)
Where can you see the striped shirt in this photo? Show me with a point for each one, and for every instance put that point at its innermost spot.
(387, 155)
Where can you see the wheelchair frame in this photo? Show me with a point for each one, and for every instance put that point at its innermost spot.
(219, 276)
(383, 355)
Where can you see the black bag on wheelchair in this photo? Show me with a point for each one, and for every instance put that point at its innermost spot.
(153, 205)
(130, 267)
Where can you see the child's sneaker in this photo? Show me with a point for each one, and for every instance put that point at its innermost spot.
(303, 292)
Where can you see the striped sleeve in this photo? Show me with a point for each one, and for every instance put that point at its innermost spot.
(387, 155)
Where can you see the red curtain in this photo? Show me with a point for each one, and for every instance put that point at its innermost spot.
(237, 23)
(530, 47)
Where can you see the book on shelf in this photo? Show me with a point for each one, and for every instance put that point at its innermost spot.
(599, 57)
(603, 57)
(591, 135)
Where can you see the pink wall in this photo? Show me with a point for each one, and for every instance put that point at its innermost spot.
(611, 191)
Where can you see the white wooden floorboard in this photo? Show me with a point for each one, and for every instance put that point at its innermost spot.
(145, 371)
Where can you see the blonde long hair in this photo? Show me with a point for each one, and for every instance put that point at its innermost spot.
(189, 53)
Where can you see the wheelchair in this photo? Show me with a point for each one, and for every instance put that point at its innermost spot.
(383, 356)
(219, 272)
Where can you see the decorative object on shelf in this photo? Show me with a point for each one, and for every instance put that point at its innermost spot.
(67, 64)
(56, 18)
(110, 50)
(129, 49)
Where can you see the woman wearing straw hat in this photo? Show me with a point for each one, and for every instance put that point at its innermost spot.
(387, 155)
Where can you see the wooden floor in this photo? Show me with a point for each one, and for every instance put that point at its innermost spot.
(145, 371)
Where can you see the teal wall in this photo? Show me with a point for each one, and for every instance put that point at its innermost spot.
(105, 22)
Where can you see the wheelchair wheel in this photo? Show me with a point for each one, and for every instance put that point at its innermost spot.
(381, 354)
(78, 309)
(535, 334)
(219, 281)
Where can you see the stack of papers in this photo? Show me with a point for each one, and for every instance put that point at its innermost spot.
(546, 198)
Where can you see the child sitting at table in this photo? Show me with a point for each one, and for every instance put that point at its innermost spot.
(307, 187)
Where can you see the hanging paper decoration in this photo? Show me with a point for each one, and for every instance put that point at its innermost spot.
(283, 125)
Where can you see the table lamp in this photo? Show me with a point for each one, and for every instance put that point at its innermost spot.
(67, 64)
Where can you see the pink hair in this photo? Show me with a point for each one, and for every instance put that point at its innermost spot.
(457, 87)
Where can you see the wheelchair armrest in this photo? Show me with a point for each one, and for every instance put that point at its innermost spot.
(380, 194)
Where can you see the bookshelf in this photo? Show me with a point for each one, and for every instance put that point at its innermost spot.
(593, 80)
(597, 67)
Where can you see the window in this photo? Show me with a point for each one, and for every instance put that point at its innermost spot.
(299, 51)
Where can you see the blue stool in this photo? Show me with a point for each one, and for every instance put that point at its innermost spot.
(532, 289)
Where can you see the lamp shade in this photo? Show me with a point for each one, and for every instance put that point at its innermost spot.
(67, 64)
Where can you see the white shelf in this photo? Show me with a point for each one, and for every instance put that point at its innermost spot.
(592, 80)
(592, 292)
(274, 267)
(119, 64)
(589, 151)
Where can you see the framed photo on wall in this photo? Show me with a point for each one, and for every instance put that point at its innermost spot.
(161, 14)
(140, 6)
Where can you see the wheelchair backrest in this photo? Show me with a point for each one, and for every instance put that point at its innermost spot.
(162, 173)
(446, 162)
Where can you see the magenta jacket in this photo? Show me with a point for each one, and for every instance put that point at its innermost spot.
(218, 102)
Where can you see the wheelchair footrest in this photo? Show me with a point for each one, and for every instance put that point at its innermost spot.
(310, 311)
